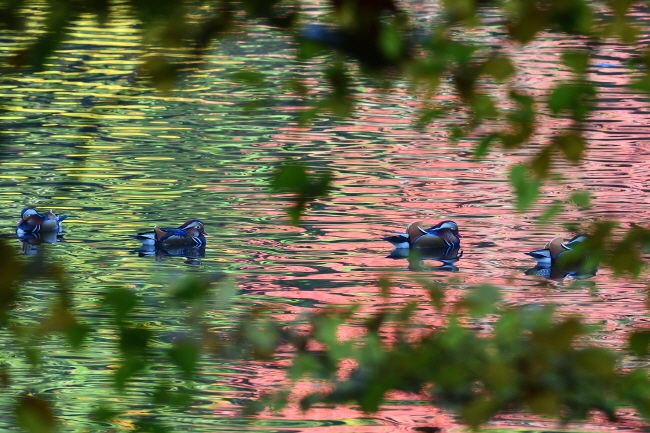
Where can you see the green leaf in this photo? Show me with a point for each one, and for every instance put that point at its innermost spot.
(578, 98)
(163, 73)
(168, 395)
(191, 289)
(293, 177)
(35, 415)
(75, 333)
(484, 145)
(134, 339)
(572, 145)
(185, 355)
(248, 76)
(582, 199)
(551, 212)
(525, 185)
(481, 300)
(577, 61)
(144, 425)
(103, 413)
(127, 370)
(541, 164)
(122, 301)
(500, 67)
(638, 342)
(390, 41)
(384, 286)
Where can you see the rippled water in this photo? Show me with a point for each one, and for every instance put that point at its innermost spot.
(87, 138)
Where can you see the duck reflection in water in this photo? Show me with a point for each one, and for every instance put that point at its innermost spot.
(560, 259)
(31, 241)
(160, 252)
(34, 229)
(187, 240)
(440, 242)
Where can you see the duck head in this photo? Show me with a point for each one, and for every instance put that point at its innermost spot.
(194, 224)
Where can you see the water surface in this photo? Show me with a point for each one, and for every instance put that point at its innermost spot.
(88, 138)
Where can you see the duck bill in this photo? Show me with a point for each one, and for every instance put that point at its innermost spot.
(205, 233)
(459, 235)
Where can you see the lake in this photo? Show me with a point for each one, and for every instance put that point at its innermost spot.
(89, 138)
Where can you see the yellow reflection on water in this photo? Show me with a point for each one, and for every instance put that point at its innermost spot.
(94, 175)
(82, 168)
(101, 147)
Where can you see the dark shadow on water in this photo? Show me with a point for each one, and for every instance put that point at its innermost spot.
(417, 258)
(554, 272)
(160, 253)
(31, 241)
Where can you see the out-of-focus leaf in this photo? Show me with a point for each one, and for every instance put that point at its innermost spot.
(384, 287)
(144, 425)
(166, 394)
(127, 370)
(572, 145)
(427, 115)
(75, 333)
(483, 106)
(521, 120)
(541, 164)
(525, 185)
(249, 76)
(638, 342)
(551, 212)
(578, 98)
(191, 289)
(185, 355)
(293, 178)
(162, 72)
(103, 413)
(122, 301)
(10, 270)
(577, 61)
(582, 199)
(478, 410)
(484, 145)
(481, 300)
(390, 42)
(35, 415)
(133, 339)
(500, 67)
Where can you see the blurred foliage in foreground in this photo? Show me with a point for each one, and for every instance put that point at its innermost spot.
(530, 359)
(518, 358)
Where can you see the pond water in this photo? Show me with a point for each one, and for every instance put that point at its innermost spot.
(88, 139)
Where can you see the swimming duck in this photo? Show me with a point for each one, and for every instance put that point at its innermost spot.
(443, 235)
(559, 259)
(191, 234)
(34, 222)
(555, 248)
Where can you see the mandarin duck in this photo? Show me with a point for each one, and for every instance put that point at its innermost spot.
(559, 259)
(443, 235)
(189, 234)
(33, 222)
(440, 242)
